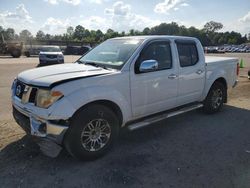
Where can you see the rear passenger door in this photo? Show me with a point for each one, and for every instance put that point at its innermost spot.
(191, 72)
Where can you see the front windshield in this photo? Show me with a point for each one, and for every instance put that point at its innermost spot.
(51, 49)
(112, 53)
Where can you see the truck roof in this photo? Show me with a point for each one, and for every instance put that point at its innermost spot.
(144, 37)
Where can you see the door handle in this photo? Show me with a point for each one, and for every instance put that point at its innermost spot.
(199, 71)
(172, 76)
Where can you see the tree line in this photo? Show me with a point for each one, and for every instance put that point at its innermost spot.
(209, 35)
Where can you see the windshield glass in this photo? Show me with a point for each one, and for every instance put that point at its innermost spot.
(111, 53)
(51, 49)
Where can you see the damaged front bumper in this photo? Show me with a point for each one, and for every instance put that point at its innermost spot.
(50, 133)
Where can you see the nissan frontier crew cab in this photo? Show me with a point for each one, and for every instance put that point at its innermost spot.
(124, 82)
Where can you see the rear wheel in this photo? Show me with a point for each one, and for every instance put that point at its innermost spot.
(92, 132)
(215, 98)
(27, 54)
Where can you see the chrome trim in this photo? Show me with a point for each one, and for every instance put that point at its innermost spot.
(199, 71)
(148, 66)
(96, 135)
(172, 76)
(163, 116)
(26, 94)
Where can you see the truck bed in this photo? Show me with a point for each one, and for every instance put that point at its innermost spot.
(216, 59)
(225, 65)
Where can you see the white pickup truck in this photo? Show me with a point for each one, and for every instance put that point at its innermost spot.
(124, 82)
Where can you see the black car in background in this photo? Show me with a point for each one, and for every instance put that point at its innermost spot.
(76, 50)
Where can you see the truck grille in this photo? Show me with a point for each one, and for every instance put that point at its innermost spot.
(25, 93)
(32, 97)
(51, 56)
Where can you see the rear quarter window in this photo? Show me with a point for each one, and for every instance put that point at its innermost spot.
(188, 54)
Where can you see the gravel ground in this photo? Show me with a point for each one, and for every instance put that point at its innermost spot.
(190, 150)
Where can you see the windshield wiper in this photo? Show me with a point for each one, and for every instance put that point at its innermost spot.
(97, 65)
(94, 64)
(91, 63)
(87, 63)
(78, 61)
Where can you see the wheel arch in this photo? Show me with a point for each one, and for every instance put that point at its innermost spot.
(224, 82)
(221, 80)
(107, 103)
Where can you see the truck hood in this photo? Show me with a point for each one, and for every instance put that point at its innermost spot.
(53, 75)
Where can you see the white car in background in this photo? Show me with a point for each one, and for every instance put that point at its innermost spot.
(50, 55)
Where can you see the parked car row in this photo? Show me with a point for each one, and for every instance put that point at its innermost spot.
(228, 48)
(50, 55)
(34, 50)
(76, 50)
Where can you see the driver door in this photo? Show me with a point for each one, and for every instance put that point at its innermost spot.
(154, 91)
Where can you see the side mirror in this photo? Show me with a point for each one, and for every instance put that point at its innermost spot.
(148, 66)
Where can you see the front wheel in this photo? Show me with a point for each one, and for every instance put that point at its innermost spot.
(92, 132)
(16, 53)
(27, 54)
(215, 98)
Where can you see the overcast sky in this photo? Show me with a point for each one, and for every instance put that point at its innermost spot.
(54, 16)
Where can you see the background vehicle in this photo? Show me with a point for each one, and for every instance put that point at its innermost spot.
(124, 82)
(10, 47)
(50, 55)
(76, 50)
(33, 50)
(243, 48)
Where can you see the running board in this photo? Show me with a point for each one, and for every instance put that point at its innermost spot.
(155, 119)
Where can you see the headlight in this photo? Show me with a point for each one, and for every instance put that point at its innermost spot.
(60, 56)
(45, 98)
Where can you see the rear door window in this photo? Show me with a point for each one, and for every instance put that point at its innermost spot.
(188, 54)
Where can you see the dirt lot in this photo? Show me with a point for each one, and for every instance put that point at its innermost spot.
(190, 150)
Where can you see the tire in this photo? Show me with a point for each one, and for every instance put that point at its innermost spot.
(215, 98)
(16, 53)
(27, 54)
(92, 132)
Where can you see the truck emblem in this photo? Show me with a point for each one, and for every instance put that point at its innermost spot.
(26, 89)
